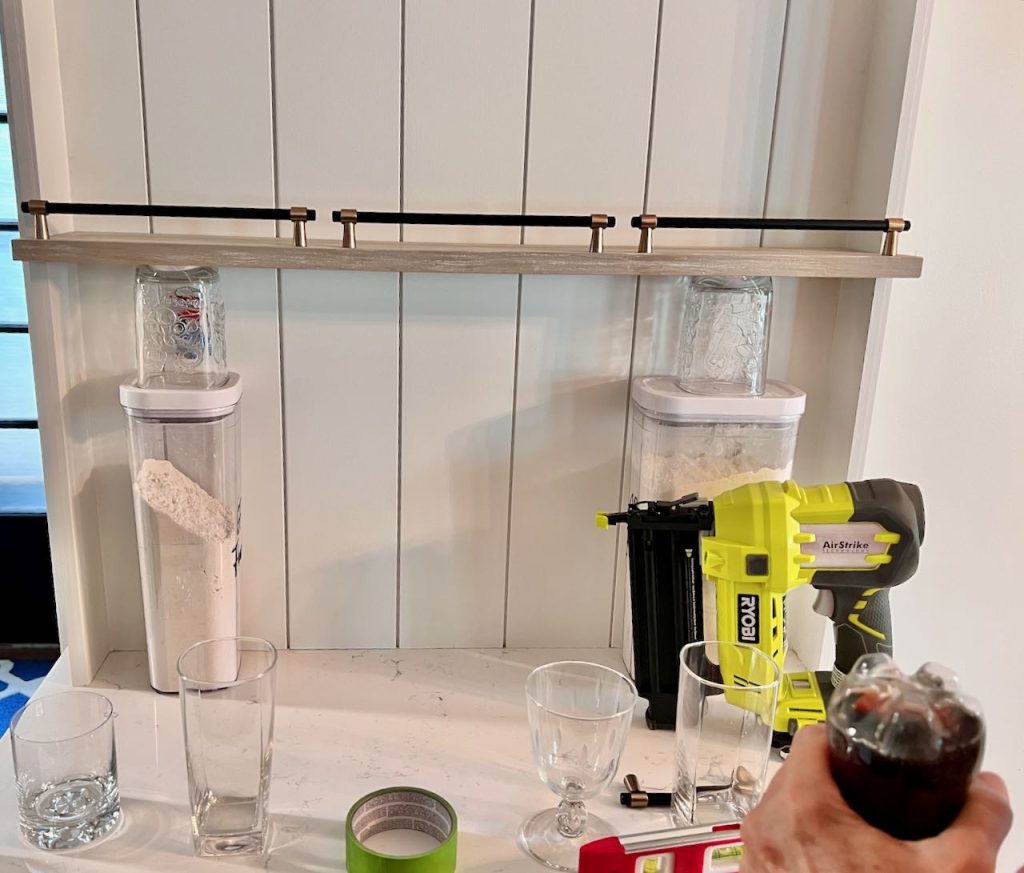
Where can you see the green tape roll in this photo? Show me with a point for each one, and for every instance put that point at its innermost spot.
(401, 809)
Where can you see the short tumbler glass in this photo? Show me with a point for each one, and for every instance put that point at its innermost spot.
(227, 704)
(724, 724)
(66, 769)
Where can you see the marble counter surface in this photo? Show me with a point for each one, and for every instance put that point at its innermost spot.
(347, 722)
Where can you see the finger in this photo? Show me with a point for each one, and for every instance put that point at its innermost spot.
(995, 783)
(983, 823)
(988, 808)
(807, 764)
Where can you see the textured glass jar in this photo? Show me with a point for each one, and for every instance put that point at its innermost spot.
(724, 344)
(179, 327)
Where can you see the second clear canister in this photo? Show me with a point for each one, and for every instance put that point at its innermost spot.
(185, 448)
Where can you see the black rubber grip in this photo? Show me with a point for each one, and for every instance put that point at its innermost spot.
(863, 624)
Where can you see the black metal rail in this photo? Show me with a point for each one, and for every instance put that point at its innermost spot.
(53, 207)
(471, 219)
(18, 424)
(875, 225)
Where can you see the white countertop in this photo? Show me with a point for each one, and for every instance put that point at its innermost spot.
(347, 722)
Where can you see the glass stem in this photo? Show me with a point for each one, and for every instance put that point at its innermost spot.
(572, 818)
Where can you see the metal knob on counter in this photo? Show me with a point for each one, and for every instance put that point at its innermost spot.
(636, 798)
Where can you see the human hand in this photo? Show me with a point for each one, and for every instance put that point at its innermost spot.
(803, 825)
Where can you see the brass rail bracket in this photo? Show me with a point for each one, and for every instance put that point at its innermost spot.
(299, 215)
(349, 217)
(598, 223)
(647, 224)
(891, 241)
(38, 210)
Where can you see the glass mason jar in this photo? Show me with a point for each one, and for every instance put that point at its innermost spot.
(179, 327)
(724, 343)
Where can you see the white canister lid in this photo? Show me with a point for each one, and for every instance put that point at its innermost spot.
(172, 401)
(661, 397)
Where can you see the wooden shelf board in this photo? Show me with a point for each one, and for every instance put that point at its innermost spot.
(267, 253)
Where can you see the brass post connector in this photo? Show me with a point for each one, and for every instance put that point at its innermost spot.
(598, 222)
(647, 225)
(299, 215)
(38, 210)
(349, 217)
(896, 227)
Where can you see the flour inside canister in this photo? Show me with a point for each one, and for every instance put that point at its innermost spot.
(670, 477)
(188, 547)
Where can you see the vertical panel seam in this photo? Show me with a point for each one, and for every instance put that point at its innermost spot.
(401, 326)
(142, 99)
(519, 319)
(280, 329)
(275, 175)
(636, 310)
(775, 119)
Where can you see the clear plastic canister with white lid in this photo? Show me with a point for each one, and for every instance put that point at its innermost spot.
(683, 443)
(185, 452)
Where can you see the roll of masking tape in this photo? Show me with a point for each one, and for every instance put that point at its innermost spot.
(401, 809)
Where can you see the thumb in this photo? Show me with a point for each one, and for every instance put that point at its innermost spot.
(983, 823)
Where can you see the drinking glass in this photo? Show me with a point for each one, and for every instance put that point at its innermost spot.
(66, 769)
(724, 343)
(579, 717)
(227, 704)
(724, 721)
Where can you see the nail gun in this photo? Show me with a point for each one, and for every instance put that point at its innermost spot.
(851, 541)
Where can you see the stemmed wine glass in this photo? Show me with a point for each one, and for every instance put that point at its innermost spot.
(579, 716)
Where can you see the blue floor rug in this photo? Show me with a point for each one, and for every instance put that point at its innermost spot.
(18, 682)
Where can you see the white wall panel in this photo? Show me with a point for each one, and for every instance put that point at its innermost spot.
(718, 71)
(206, 80)
(458, 362)
(574, 350)
(593, 68)
(340, 357)
(465, 118)
(102, 108)
(465, 112)
(104, 296)
(337, 81)
(250, 301)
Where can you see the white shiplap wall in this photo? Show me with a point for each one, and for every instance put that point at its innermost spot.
(423, 455)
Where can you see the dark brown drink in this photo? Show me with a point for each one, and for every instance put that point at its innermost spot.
(903, 749)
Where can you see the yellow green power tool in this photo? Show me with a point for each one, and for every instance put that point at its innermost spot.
(851, 541)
